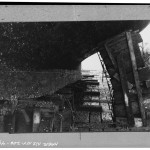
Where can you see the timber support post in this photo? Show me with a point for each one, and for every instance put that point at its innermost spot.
(125, 90)
(136, 77)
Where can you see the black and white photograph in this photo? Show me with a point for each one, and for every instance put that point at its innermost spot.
(73, 69)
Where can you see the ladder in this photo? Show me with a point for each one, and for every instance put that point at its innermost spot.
(106, 76)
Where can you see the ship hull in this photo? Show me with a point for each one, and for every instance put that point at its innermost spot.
(43, 46)
(39, 58)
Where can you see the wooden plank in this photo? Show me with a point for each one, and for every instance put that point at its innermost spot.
(147, 83)
(13, 120)
(91, 83)
(90, 108)
(36, 120)
(124, 84)
(144, 73)
(98, 101)
(136, 77)
(145, 90)
(120, 111)
(111, 56)
(89, 80)
(2, 124)
(88, 76)
(115, 38)
(89, 119)
(120, 44)
(93, 93)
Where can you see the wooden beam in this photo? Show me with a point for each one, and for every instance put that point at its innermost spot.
(98, 101)
(89, 80)
(36, 120)
(13, 120)
(90, 108)
(144, 73)
(91, 83)
(136, 77)
(124, 84)
(87, 76)
(111, 56)
(92, 93)
(147, 83)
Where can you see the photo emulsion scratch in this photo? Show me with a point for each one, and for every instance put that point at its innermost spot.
(73, 76)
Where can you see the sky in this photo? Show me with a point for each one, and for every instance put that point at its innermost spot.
(93, 63)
